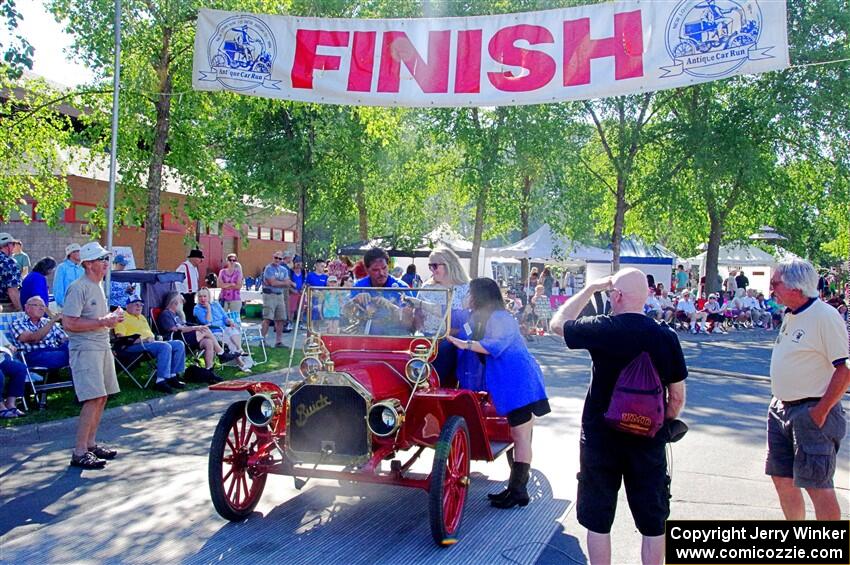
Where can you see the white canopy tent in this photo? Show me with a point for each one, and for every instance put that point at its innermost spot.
(545, 247)
(756, 263)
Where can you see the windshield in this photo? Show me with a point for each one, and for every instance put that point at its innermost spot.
(377, 311)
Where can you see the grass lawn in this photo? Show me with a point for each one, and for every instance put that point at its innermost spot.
(62, 404)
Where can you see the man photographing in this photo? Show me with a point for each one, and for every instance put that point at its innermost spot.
(607, 456)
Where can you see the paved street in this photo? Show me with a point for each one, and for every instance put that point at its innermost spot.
(152, 503)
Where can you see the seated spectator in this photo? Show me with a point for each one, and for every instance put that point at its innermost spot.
(212, 315)
(668, 307)
(715, 314)
(170, 355)
(759, 312)
(16, 373)
(120, 292)
(659, 290)
(35, 283)
(43, 341)
(687, 313)
(742, 306)
(652, 307)
(777, 310)
(171, 323)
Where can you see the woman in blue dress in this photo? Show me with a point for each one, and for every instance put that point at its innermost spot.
(511, 376)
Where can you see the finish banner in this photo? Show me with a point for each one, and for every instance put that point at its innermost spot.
(579, 53)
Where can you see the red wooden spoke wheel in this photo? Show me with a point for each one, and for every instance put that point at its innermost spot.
(235, 488)
(449, 481)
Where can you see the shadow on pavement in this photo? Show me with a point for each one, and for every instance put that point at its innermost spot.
(367, 524)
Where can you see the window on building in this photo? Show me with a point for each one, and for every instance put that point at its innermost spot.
(288, 236)
(251, 232)
(265, 233)
(82, 212)
(277, 234)
(24, 213)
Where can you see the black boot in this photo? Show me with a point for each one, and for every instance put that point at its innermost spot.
(517, 491)
(504, 494)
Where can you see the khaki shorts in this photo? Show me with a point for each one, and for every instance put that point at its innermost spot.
(93, 373)
(274, 307)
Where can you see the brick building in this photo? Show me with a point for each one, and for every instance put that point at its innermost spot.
(254, 244)
(88, 180)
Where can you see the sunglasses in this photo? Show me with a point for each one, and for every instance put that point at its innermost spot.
(433, 266)
(278, 258)
(231, 258)
(105, 259)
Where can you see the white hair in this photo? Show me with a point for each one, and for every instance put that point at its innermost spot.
(799, 274)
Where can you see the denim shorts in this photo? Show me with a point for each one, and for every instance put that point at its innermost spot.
(797, 448)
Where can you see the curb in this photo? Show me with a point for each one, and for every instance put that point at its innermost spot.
(151, 408)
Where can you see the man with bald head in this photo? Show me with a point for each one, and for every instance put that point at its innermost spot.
(609, 457)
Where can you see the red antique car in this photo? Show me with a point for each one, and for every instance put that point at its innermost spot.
(366, 395)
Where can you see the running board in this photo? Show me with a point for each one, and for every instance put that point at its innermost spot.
(499, 447)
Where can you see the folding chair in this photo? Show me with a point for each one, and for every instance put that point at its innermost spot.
(250, 335)
(36, 376)
(193, 355)
(127, 361)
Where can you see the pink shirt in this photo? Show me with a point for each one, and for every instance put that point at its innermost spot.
(230, 293)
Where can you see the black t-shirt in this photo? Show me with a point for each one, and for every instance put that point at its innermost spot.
(742, 281)
(613, 343)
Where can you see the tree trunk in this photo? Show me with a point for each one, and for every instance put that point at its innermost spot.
(154, 186)
(619, 221)
(302, 216)
(712, 252)
(478, 230)
(523, 220)
(362, 218)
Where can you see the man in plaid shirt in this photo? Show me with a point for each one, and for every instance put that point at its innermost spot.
(39, 337)
(10, 275)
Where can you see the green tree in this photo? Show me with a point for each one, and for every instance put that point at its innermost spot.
(17, 53)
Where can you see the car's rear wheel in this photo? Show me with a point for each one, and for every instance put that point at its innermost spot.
(449, 481)
(235, 487)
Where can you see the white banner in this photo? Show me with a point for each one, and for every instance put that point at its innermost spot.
(549, 56)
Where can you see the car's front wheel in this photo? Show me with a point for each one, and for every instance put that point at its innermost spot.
(235, 487)
(449, 481)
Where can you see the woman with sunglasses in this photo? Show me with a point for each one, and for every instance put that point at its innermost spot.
(511, 375)
(230, 283)
(446, 272)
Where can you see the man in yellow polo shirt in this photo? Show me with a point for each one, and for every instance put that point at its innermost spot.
(809, 375)
(170, 355)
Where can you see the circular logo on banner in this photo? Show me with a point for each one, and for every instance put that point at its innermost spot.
(241, 52)
(712, 38)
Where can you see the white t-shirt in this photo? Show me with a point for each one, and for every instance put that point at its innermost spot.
(686, 306)
(808, 344)
(190, 283)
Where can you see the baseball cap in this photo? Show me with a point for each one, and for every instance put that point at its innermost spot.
(120, 260)
(93, 250)
(6, 239)
(71, 247)
(135, 299)
(712, 295)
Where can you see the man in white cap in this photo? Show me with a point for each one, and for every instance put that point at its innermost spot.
(87, 320)
(67, 272)
(10, 275)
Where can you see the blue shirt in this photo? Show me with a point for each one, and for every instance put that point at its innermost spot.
(66, 273)
(511, 375)
(274, 272)
(35, 284)
(118, 295)
(10, 276)
(219, 318)
(314, 279)
(298, 279)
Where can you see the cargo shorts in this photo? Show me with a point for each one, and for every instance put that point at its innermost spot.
(797, 448)
(275, 307)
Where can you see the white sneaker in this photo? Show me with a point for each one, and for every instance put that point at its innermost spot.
(721, 331)
(694, 330)
(247, 363)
